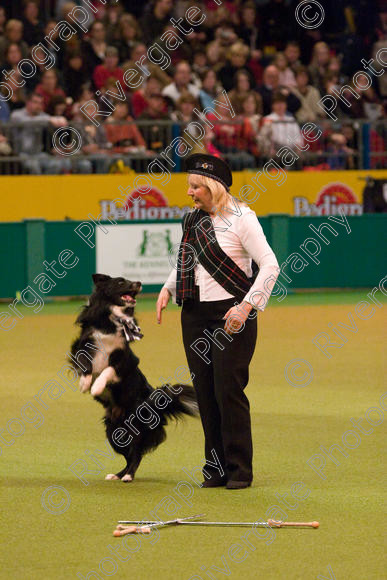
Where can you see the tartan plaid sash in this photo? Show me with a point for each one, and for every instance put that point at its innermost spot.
(199, 244)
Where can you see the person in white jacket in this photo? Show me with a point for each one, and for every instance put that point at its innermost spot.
(216, 285)
(280, 128)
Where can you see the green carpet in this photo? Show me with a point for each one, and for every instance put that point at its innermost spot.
(61, 429)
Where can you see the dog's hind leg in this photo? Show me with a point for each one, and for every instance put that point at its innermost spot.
(131, 469)
(111, 477)
(120, 475)
(85, 383)
(107, 375)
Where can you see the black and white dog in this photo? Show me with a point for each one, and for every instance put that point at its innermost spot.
(135, 412)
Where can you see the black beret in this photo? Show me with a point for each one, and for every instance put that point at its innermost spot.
(209, 166)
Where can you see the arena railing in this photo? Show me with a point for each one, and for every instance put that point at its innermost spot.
(28, 147)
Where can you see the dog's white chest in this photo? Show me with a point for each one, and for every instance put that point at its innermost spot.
(106, 344)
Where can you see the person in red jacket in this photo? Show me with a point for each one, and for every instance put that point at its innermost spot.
(122, 132)
(49, 88)
(141, 97)
(109, 69)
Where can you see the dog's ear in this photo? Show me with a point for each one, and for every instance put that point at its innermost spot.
(100, 278)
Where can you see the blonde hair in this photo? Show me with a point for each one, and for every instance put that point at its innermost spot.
(239, 48)
(220, 196)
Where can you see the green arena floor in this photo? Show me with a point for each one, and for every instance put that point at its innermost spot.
(51, 532)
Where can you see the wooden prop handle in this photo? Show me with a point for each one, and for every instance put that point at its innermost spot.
(279, 524)
(123, 530)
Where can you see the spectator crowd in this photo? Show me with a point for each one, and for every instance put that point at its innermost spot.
(253, 54)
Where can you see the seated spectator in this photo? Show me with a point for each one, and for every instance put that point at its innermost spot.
(319, 64)
(251, 117)
(248, 29)
(85, 95)
(13, 56)
(111, 14)
(334, 66)
(50, 31)
(181, 83)
(330, 82)
(216, 55)
(94, 46)
(308, 96)
(373, 107)
(206, 145)
(352, 140)
(255, 66)
(199, 66)
(67, 44)
(292, 54)
(13, 35)
(210, 89)
(351, 136)
(152, 26)
(286, 76)
(380, 44)
(184, 109)
(156, 135)
(105, 94)
(74, 73)
(220, 16)
(33, 27)
(194, 43)
(139, 53)
(28, 138)
(126, 140)
(122, 132)
(49, 87)
(109, 69)
(140, 98)
(225, 34)
(241, 90)
(58, 107)
(157, 108)
(129, 35)
(237, 60)
(95, 147)
(5, 147)
(63, 7)
(270, 85)
(229, 138)
(363, 104)
(340, 156)
(182, 52)
(5, 111)
(280, 128)
(3, 20)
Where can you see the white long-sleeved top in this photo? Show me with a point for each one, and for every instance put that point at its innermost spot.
(241, 237)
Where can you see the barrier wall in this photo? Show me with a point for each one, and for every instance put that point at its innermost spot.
(29, 249)
(79, 196)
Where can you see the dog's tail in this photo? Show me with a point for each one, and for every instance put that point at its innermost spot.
(182, 401)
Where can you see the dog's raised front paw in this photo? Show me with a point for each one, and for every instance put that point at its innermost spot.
(84, 383)
(98, 386)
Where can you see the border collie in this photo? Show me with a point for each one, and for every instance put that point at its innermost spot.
(135, 412)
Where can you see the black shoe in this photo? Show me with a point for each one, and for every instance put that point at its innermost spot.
(214, 483)
(237, 484)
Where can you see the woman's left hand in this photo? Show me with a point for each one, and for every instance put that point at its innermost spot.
(236, 317)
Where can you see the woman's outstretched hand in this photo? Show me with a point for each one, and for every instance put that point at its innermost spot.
(162, 302)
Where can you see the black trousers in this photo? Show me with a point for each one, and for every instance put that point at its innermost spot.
(220, 377)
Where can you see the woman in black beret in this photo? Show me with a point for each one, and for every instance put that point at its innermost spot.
(216, 284)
